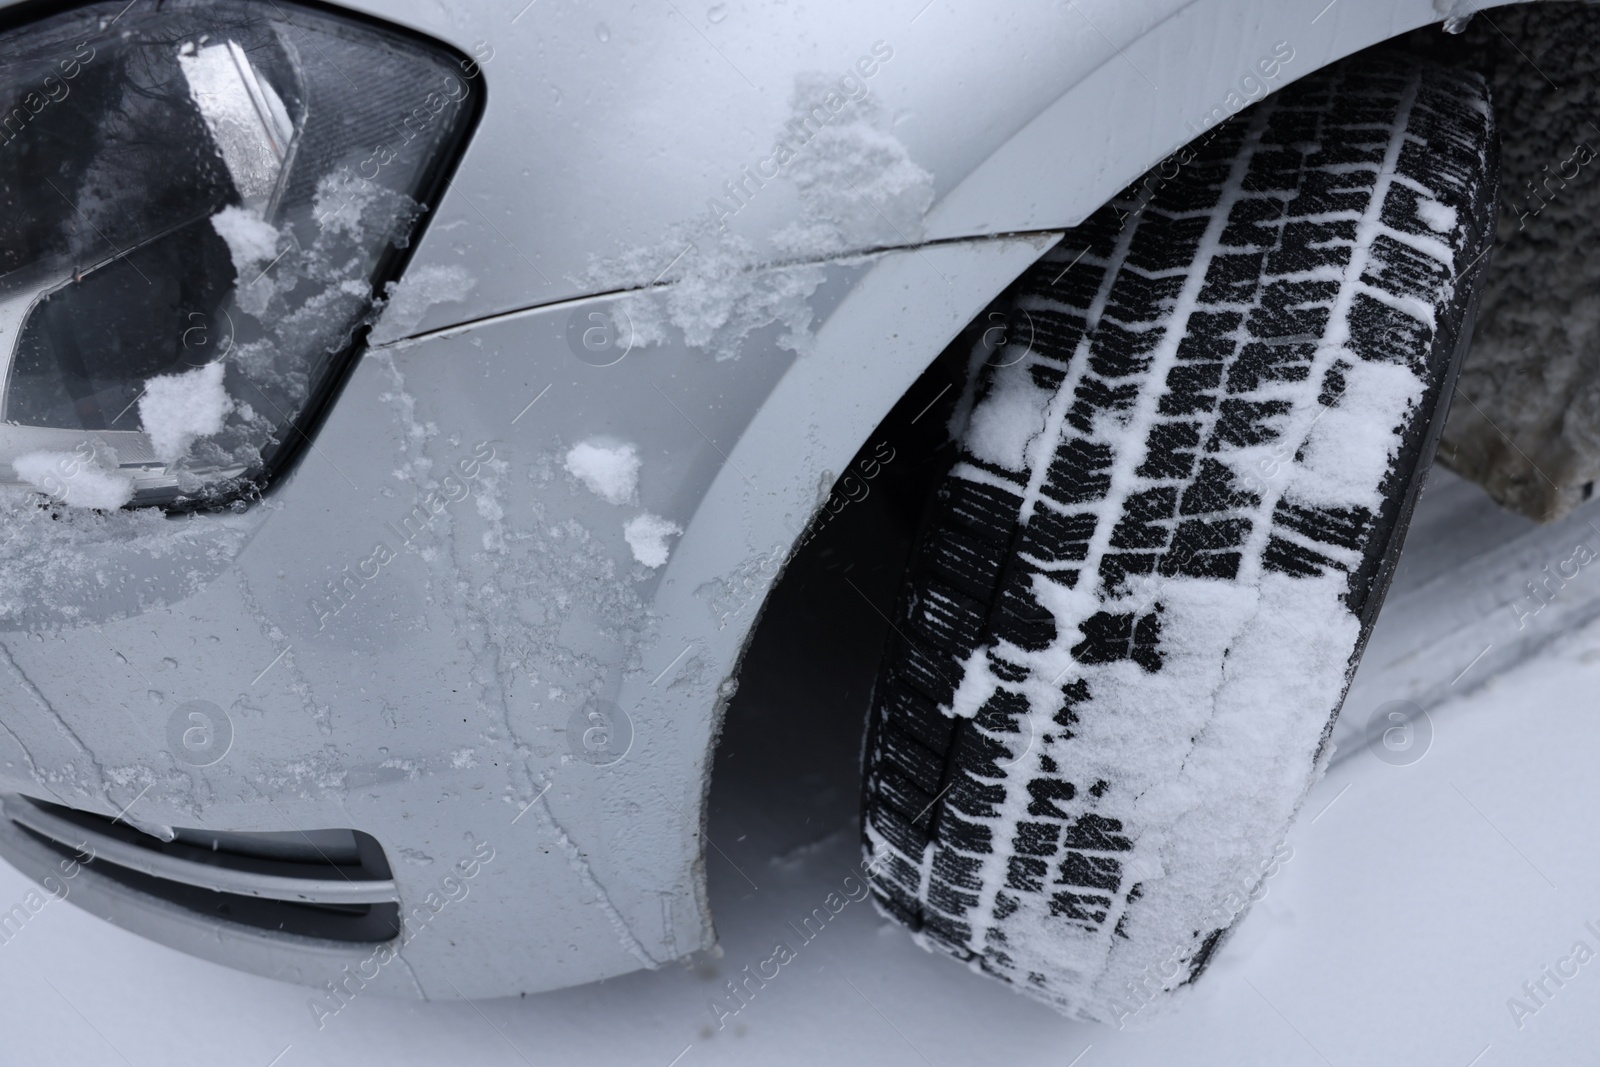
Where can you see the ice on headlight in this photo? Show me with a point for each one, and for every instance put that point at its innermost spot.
(197, 230)
(248, 122)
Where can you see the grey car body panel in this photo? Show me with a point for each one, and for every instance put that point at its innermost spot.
(1028, 115)
(442, 708)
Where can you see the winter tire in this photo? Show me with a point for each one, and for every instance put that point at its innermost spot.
(1136, 601)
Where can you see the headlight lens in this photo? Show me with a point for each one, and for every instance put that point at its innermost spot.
(198, 202)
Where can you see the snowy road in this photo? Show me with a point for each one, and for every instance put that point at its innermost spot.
(1419, 899)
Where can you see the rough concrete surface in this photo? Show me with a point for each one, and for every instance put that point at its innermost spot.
(1526, 419)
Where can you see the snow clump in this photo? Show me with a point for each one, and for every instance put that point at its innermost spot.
(177, 408)
(251, 241)
(611, 472)
(1011, 415)
(647, 535)
(74, 480)
(1440, 218)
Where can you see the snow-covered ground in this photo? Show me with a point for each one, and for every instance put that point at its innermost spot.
(1420, 897)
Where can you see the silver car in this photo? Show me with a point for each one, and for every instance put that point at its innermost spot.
(406, 413)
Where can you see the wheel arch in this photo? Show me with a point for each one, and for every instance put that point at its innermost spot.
(1201, 50)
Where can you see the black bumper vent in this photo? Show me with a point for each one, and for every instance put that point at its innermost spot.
(330, 884)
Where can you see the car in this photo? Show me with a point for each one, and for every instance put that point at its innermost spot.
(408, 412)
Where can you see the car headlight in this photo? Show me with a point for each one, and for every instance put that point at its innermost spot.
(199, 202)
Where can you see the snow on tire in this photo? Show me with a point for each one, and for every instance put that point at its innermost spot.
(1137, 599)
